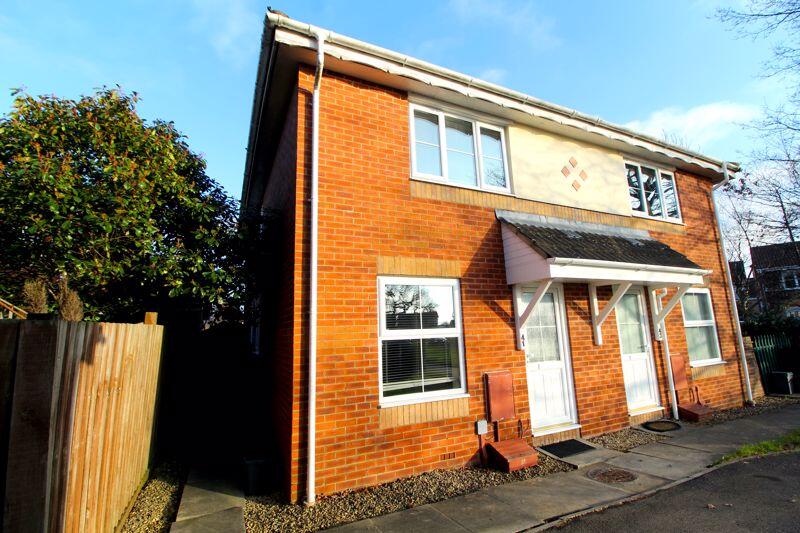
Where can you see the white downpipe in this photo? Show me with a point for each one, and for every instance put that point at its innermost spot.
(732, 289)
(673, 396)
(312, 327)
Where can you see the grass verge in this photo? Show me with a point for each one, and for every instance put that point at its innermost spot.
(782, 444)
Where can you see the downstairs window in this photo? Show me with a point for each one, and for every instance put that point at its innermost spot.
(421, 345)
(701, 329)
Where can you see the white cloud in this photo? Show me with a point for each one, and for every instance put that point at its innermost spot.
(494, 75)
(233, 28)
(518, 18)
(699, 126)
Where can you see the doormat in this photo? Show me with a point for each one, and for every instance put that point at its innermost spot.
(661, 425)
(566, 448)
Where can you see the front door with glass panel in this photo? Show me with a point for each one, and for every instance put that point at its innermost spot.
(637, 360)
(550, 389)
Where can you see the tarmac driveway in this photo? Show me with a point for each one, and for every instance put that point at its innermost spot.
(754, 495)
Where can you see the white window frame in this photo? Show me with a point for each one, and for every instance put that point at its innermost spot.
(477, 149)
(659, 172)
(699, 323)
(794, 274)
(385, 334)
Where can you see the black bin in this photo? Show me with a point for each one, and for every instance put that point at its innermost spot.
(781, 382)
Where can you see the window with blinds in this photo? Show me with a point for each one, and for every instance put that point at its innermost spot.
(421, 348)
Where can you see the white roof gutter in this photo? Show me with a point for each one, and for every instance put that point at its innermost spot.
(353, 50)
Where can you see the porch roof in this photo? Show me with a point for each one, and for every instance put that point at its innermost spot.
(545, 248)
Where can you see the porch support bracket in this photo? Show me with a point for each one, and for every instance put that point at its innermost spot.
(598, 316)
(522, 318)
(660, 312)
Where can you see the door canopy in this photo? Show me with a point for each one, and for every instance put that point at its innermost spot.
(542, 250)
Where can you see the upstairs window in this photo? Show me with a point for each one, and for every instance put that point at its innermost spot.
(652, 192)
(790, 279)
(458, 150)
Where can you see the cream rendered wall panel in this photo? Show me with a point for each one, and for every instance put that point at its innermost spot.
(537, 159)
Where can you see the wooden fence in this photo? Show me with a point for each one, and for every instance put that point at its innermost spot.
(81, 421)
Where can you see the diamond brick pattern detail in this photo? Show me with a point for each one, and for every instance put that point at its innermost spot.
(572, 166)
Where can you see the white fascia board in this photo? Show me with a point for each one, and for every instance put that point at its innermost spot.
(294, 33)
(611, 275)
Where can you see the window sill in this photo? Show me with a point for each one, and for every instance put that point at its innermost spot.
(677, 222)
(710, 362)
(550, 430)
(426, 179)
(427, 399)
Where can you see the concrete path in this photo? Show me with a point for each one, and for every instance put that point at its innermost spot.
(209, 504)
(527, 504)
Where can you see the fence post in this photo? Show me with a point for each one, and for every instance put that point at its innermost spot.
(753, 367)
(151, 318)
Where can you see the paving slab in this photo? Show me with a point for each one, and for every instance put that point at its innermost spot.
(556, 495)
(642, 483)
(422, 519)
(224, 521)
(598, 455)
(368, 525)
(206, 494)
(666, 450)
(480, 511)
(655, 466)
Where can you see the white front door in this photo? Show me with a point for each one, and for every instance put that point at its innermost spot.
(550, 391)
(638, 369)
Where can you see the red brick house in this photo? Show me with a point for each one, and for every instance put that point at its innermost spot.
(430, 227)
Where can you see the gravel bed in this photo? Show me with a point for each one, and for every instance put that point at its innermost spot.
(626, 439)
(157, 503)
(267, 513)
(762, 405)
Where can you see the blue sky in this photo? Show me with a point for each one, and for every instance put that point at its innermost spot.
(657, 66)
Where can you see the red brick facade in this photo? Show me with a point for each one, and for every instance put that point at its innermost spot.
(366, 211)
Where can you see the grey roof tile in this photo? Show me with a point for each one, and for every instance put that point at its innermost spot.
(554, 237)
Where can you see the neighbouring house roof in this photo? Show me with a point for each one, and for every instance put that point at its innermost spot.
(380, 65)
(570, 239)
(775, 256)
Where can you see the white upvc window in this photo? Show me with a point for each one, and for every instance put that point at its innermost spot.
(457, 150)
(652, 192)
(702, 342)
(420, 340)
(790, 279)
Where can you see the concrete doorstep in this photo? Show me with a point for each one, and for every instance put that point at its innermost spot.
(540, 502)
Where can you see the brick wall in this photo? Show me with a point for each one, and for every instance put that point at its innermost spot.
(279, 313)
(371, 221)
